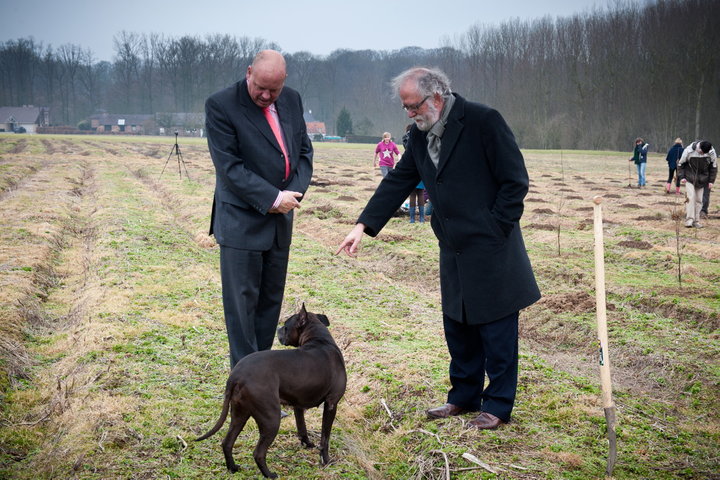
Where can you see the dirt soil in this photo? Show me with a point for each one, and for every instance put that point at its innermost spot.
(58, 229)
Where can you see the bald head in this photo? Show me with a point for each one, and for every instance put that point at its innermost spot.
(266, 77)
(269, 59)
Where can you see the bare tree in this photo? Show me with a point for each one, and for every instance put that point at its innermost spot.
(591, 81)
(127, 70)
(69, 62)
(92, 79)
(19, 62)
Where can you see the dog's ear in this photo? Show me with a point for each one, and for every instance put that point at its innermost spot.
(302, 316)
(323, 319)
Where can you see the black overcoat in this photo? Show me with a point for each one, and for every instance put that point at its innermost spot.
(477, 193)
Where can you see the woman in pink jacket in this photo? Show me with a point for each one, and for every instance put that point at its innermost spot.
(386, 150)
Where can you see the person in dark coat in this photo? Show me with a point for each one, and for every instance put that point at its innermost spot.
(262, 170)
(640, 158)
(467, 157)
(673, 155)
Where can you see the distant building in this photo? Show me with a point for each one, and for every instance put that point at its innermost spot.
(27, 118)
(186, 124)
(313, 126)
(121, 123)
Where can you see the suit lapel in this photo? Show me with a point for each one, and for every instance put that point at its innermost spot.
(256, 116)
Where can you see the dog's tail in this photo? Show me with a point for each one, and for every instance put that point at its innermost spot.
(223, 416)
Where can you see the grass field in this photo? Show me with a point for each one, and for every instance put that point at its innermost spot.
(113, 351)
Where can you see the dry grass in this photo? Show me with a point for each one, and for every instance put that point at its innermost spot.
(112, 341)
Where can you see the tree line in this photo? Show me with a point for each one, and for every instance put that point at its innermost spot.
(590, 81)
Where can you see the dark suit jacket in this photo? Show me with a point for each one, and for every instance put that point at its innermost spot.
(249, 166)
(477, 193)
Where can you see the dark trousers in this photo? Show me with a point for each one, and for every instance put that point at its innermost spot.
(253, 284)
(705, 201)
(671, 174)
(476, 350)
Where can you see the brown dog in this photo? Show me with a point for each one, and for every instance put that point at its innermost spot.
(303, 378)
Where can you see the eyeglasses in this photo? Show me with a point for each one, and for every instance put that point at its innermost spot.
(416, 107)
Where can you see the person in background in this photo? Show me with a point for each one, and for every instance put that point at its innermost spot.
(263, 165)
(640, 159)
(697, 169)
(467, 157)
(417, 196)
(386, 151)
(673, 155)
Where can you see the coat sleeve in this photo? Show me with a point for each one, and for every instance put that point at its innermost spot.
(390, 194)
(508, 169)
(683, 162)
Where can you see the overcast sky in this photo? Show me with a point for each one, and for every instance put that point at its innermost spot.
(317, 26)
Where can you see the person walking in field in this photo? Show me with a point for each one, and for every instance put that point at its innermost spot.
(673, 155)
(386, 151)
(467, 158)
(697, 169)
(640, 159)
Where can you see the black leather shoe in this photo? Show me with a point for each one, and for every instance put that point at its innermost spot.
(445, 411)
(486, 421)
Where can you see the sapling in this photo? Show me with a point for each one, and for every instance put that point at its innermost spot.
(677, 217)
(561, 203)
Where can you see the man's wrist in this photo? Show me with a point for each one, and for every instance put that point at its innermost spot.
(277, 201)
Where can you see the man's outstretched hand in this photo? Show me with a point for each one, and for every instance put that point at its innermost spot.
(351, 244)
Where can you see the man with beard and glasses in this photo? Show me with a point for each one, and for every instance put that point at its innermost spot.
(467, 157)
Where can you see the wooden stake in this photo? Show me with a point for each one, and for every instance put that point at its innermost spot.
(604, 357)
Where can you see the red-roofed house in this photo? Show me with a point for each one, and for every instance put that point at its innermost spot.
(313, 126)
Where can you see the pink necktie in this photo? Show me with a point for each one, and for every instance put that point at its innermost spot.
(273, 121)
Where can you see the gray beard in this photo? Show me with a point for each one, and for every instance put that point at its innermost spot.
(429, 118)
(423, 127)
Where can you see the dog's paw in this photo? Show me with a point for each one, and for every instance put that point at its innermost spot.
(305, 441)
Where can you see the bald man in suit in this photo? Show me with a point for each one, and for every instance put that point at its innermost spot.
(263, 165)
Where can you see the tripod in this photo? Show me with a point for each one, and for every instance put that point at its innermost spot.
(181, 163)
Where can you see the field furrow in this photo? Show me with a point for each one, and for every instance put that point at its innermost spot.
(114, 354)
